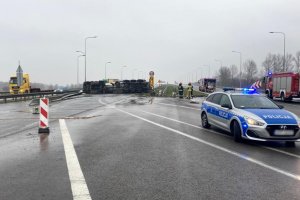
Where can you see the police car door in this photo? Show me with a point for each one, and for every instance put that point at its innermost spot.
(214, 109)
(224, 112)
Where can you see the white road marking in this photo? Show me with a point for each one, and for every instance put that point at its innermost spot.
(198, 127)
(192, 125)
(283, 152)
(175, 120)
(242, 156)
(178, 106)
(79, 187)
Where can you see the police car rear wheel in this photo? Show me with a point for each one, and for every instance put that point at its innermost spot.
(236, 131)
(204, 121)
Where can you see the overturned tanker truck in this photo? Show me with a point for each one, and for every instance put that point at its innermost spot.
(117, 87)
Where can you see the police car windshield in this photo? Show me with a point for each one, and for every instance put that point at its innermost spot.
(252, 101)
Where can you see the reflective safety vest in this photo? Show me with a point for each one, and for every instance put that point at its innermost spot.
(189, 88)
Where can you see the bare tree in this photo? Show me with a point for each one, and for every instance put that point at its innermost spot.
(289, 64)
(277, 63)
(268, 63)
(261, 72)
(250, 70)
(297, 62)
(273, 63)
(234, 72)
(224, 76)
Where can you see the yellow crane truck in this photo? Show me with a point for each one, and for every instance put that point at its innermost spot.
(20, 83)
(23, 88)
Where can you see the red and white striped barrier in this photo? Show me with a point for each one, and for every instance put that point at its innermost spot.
(44, 116)
(256, 85)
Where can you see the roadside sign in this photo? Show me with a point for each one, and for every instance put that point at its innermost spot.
(19, 76)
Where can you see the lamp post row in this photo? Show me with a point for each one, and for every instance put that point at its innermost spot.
(84, 54)
(85, 60)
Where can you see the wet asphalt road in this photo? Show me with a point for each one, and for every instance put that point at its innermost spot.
(132, 147)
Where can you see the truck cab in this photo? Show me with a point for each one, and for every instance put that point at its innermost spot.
(22, 89)
(207, 85)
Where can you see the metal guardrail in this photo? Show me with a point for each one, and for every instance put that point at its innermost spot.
(38, 94)
(4, 93)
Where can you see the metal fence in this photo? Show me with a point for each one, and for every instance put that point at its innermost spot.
(15, 97)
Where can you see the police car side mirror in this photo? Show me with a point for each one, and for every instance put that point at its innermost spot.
(280, 106)
(226, 106)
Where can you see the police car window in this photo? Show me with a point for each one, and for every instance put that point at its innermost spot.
(210, 97)
(216, 99)
(252, 101)
(225, 100)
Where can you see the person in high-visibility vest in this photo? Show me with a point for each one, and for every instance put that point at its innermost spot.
(180, 90)
(189, 91)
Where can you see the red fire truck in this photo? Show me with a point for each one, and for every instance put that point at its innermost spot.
(286, 85)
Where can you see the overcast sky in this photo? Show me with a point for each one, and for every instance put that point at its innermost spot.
(173, 38)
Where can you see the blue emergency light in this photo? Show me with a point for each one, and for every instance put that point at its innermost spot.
(269, 74)
(242, 90)
(249, 91)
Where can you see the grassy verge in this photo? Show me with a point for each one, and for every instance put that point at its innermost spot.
(169, 90)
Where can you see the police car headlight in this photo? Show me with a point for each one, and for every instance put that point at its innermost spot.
(254, 122)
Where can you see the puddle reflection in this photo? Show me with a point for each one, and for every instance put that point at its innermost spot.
(44, 142)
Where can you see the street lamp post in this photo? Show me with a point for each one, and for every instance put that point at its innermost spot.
(122, 71)
(85, 53)
(78, 68)
(240, 66)
(284, 63)
(82, 54)
(105, 68)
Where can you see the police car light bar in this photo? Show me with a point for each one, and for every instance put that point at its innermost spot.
(243, 90)
(249, 91)
(225, 89)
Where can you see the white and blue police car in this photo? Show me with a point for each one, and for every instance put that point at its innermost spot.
(248, 115)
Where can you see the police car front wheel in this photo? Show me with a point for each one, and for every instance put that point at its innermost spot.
(236, 131)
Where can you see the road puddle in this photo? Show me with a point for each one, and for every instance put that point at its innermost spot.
(82, 117)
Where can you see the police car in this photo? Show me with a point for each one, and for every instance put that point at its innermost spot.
(248, 115)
